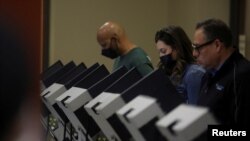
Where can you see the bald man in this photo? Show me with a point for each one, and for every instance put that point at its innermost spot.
(116, 45)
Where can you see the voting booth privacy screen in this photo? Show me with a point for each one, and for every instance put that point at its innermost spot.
(83, 103)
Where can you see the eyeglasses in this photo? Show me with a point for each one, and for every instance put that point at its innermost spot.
(198, 47)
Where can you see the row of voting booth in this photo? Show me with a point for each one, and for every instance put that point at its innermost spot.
(91, 103)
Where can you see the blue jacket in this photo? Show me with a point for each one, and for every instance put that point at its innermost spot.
(189, 87)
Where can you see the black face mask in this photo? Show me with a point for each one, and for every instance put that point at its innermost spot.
(111, 53)
(168, 61)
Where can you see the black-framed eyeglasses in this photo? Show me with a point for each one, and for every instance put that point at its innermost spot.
(198, 47)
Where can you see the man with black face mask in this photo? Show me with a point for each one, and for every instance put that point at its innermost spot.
(111, 52)
(116, 45)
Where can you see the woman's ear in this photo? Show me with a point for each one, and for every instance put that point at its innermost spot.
(173, 53)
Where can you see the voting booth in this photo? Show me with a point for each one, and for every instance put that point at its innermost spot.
(46, 74)
(186, 122)
(122, 105)
(110, 95)
(78, 94)
(155, 84)
(57, 130)
(139, 117)
(58, 87)
(77, 97)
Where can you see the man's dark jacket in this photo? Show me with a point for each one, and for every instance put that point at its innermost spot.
(227, 93)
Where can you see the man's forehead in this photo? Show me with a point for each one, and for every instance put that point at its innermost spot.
(103, 36)
(199, 35)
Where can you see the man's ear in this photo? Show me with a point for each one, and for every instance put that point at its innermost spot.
(115, 36)
(219, 45)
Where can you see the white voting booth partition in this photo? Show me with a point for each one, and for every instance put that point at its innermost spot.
(88, 80)
(141, 114)
(61, 85)
(137, 112)
(72, 93)
(185, 122)
(124, 107)
(73, 101)
(56, 89)
(102, 107)
(57, 132)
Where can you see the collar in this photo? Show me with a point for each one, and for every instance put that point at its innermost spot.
(228, 64)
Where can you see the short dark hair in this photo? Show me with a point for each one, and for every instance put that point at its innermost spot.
(216, 29)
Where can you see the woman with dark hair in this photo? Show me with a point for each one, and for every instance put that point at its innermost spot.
(177, 61)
